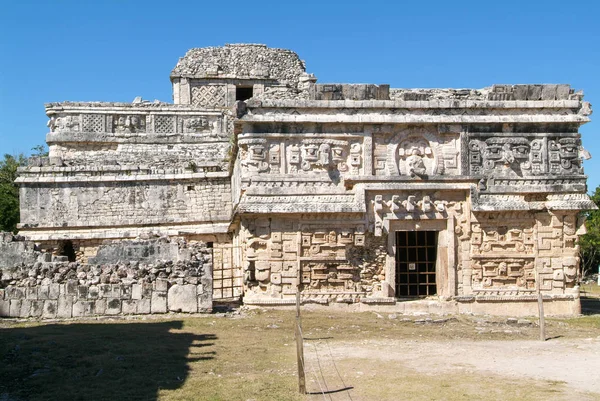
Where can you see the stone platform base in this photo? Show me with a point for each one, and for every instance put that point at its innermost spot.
(497, 306)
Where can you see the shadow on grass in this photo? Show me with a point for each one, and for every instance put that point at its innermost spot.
(590, 306)
(97, 361)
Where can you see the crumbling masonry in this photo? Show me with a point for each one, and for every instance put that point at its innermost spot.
(354, 194)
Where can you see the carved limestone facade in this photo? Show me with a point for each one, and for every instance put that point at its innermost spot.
(352, 194)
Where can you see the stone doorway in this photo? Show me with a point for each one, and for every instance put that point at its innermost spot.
(416, 255)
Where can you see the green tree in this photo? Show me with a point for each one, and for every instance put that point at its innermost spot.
(9, 192)
(40, 150)
(590, 243)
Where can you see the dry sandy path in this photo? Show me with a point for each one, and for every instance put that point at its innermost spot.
(568, 361)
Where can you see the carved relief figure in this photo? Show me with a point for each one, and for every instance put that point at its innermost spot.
(197, 124)
(502, 156)
(65, 123)
(254, 158)
(415, 154)
(128, 124)
(565, 156)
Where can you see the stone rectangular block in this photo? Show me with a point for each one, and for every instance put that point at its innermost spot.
(116, 291)
(71, 287)
(82, 291)
(37, 308)
(50, 309)
(79, 308)
(129, 306)
(520, 92)
(147, 289)
(549, 92)
(53, 291)
(93, 292)
(161, 284)
(15, 308)
(31, 292)
(182, 298)
(125, 292)
(534, 92)
(25, 308)
(4, 308)
(158, 303)
(105, 291)
(563, 91)
(113, 306)
(100, 306)
(136, 291)
(205, 300)
(65, 306)
(143, 306)
(43, 292)
(14, 293)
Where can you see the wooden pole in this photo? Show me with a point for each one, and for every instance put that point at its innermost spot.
(542, 322)
(300, 347)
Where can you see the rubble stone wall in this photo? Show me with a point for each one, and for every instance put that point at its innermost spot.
(125, 277)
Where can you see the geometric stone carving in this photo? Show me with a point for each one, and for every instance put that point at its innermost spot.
(208, 96)
(93, 123)
(164, 124)
(503, 274)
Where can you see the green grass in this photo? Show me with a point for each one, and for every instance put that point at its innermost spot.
(591, 290)
(236, 358)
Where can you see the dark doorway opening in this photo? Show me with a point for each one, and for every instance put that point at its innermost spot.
(68, 250)
(416, 253)
(243, 93)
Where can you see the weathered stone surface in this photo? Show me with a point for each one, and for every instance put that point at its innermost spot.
(324, 180)
(65, 307)
(136, 291)
(129, 306)
(182, 298)
(113, 306)
(143, 306)
(50, 309)
(158, 302)
(4, 308)
(37, 308)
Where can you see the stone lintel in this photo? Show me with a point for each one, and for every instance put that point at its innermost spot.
(120, 178)
(128, 108)
(53, 138)
(352, 180)
(418, 104)
(49, 234)
(269, 207)
(374, 118)
(417, 186)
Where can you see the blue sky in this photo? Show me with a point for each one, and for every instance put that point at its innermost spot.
(116, 50)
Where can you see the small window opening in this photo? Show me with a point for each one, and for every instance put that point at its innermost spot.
(243, 93)
(190, 187)
(209, 244)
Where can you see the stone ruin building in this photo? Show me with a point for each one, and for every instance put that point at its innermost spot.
(465, 199)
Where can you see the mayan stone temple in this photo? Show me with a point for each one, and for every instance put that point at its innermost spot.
(258, 182)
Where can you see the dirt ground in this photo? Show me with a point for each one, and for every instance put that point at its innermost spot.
(564, 362)
(251, 355)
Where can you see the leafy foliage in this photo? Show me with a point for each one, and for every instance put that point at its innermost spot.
(590, 243)
(9, 192)
(39, 150)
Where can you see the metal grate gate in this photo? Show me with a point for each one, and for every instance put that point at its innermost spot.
(227, 278)
(415, 263)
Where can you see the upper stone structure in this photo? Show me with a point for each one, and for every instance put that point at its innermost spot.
(241, 61)
(352, 193)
